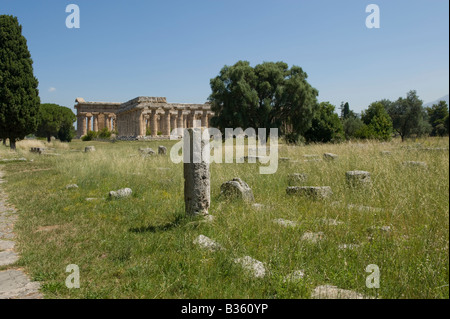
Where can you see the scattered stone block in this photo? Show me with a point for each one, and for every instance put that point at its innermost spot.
(297, 179)
(358, 178)
(22, 159)
(237, 189)
(333, 292)
(313, 237)
(15, 284)
(295, 276)
(6, 245)
(332, 222)
(8, 258)
(39, 150)
(285, 222)
(415, 164)
(255, 267)
(147, 151)
(88, 149)
(257, 206)
(330, 156)
(121, 193)
(207, 243)
(162, 150)
(313, 192)
(71, 186)
(209, 218)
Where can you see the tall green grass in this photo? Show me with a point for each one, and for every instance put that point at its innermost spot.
(142, 247)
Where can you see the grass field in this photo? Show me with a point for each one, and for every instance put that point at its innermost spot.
(142, 247)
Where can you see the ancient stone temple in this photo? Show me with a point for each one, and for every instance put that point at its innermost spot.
(142, 115)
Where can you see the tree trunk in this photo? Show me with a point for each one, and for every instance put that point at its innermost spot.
(49, 138)
(12, 143)
(4, 141)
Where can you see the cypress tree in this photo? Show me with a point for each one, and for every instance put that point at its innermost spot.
(19, 96)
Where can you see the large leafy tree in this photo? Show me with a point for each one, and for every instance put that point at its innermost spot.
(19, 96)
(409, 116)
(55, 120)
(378, 122)
(269, 95)
(326, 125)
(437, 115)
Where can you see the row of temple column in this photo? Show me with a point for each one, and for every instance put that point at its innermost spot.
(95, 121)
(138, 123)
(169, 121)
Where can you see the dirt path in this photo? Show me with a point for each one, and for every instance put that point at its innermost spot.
(14, 283)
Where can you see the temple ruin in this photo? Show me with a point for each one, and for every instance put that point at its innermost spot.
(139, 116)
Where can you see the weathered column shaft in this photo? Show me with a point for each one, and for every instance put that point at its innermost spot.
(192, 119)
(84, 128)
(197, 187)
(166, 123)
(173, 122)
(154, 123)
(89, 125)
(96, 123)
(180, 120)
(205, 119)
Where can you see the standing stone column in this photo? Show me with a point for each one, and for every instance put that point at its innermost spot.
(154, 123)
(141, 124)
(173, 122)
(197, 187)
(95, 115)
(81, 124)
(89, 125)
(180, 120)
(205, 119)
(147, 123)
(166, 123)
(106, 115)
(192, 119)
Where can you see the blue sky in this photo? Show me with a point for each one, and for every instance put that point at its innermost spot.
(125, 49)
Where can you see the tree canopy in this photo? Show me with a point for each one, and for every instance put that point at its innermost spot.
(269, 95)
(437, 115)
(56, 120)
(409, 116)
(378, 122)
(19, 96)
(326, 125)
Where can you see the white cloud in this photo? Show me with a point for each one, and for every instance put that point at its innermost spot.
(52, 89)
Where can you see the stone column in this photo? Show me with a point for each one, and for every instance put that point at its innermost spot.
(197, 187)
(180, 120)
(154, 123)
(205, 118)
(109, 122)
(81, 124)
(173, 122)
(192, 119)
(95, 115)
(147, 123)
(106, 116)
(166, 123)
(141, 121)
(89, 125)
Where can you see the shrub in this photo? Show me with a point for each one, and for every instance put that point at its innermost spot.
(89, 136)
